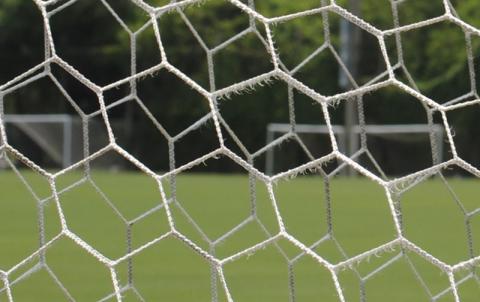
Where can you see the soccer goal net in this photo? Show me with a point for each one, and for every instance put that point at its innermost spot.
(165, 91)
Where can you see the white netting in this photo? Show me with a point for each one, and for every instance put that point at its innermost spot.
(262, 27)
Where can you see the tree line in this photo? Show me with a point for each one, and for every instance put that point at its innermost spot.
(87, 36)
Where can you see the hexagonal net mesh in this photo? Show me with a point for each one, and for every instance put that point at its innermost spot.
(267, 31)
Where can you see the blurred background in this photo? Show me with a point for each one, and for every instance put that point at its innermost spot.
(92, 40)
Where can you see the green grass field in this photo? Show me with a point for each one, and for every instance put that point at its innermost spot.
(171, 271)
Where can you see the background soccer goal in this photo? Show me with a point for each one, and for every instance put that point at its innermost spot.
(135, 165)
(404, 133)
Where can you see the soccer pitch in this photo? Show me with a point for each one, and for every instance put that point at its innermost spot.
(171, 271)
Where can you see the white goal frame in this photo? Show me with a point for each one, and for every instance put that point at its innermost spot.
(66, 121)
(342, 136)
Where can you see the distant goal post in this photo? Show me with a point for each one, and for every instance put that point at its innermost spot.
(342, 136)
(35, 127)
